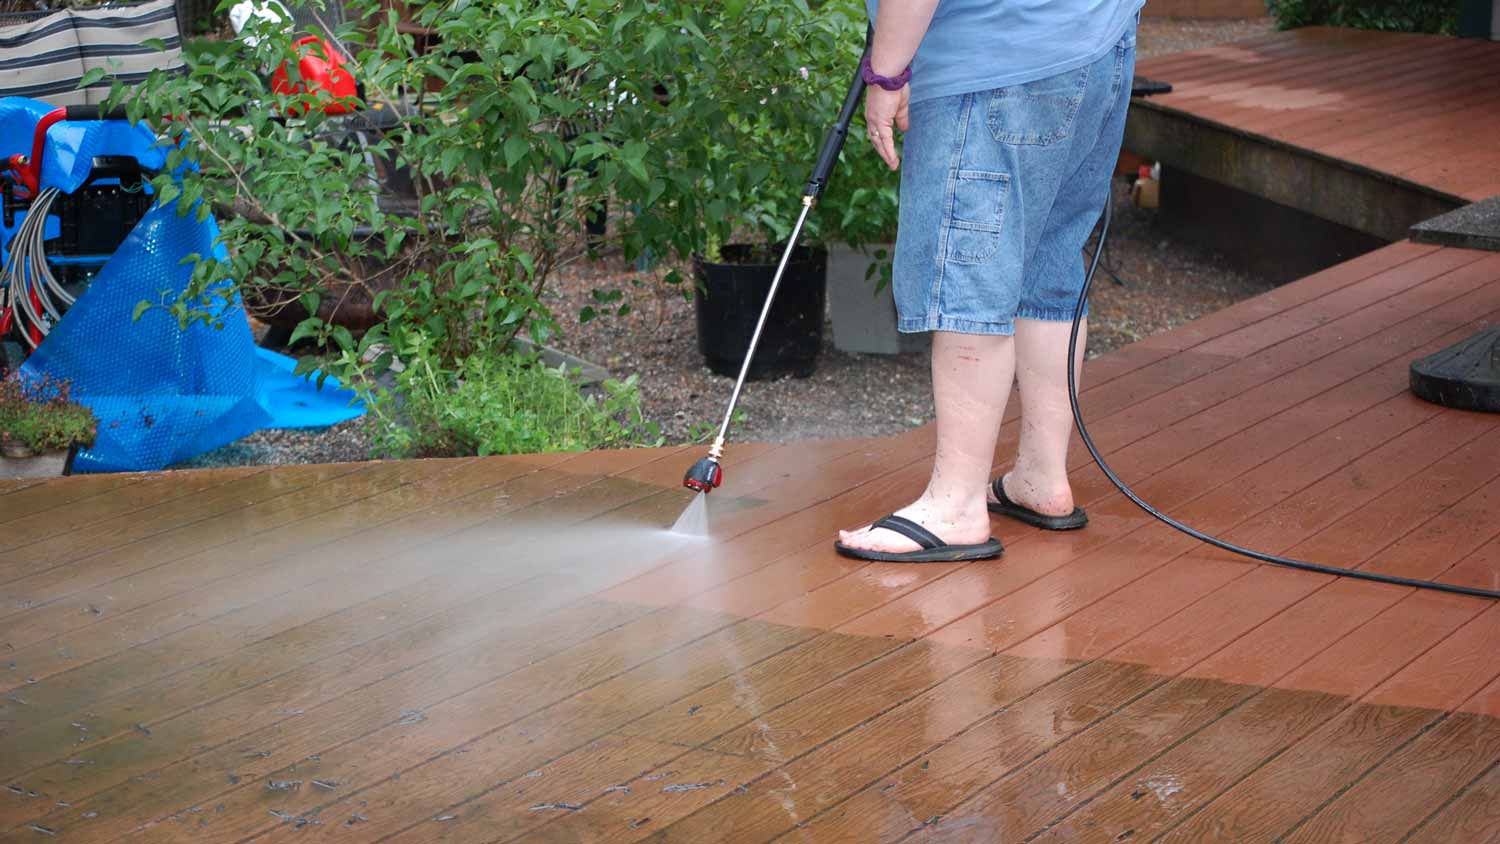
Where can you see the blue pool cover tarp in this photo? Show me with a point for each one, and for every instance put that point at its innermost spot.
(162, 393)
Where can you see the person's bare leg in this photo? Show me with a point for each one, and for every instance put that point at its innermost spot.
(971, 380)
(1039, 479)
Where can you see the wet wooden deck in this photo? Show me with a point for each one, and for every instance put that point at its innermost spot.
(1422, 109)
(1372, 131)
(514, 650)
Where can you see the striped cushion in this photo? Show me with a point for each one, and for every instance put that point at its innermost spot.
(47, 57)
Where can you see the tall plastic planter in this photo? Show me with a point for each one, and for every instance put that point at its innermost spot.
(731, 293)
(863, 318)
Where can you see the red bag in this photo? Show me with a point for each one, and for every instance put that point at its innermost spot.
(323, 72)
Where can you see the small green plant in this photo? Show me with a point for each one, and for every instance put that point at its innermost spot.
(1430, 16)
(39, 416)
(501, 404)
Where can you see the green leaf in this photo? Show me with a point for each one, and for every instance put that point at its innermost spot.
(655, 191)
(92, 76)
(623, 20)
(516, 148)
(654, 39)
(306, 328)
(450, 158)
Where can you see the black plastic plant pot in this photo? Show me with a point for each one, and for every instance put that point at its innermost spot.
(731, 293)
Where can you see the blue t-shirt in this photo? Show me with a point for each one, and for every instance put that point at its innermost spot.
(977, 45)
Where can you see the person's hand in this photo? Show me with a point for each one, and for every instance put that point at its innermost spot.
(885, 111)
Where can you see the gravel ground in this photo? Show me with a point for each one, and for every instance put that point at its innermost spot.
(1166, 283)
(1158, 36)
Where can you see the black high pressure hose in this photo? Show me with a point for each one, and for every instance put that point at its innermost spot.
(1088, 442)
(707, 474)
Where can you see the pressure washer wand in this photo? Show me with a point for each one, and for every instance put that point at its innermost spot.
(707, 474)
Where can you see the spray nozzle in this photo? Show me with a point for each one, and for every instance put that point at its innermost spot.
(704, 475)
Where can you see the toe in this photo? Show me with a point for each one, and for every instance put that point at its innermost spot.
(876, 539)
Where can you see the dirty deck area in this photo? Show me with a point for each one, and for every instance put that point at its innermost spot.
(514, 649)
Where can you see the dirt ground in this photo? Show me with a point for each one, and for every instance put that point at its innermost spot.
(1166, 282)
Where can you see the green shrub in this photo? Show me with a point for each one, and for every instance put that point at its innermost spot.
(701, 119)
(501, 404)
(695, 122)
(1431, 16)
(39, 416)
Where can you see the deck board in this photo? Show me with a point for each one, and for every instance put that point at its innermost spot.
(1413, 107)
(514, 649)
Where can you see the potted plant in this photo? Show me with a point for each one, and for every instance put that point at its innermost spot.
(793, 64)
(41, 429)
(732, 288)
(860, 213)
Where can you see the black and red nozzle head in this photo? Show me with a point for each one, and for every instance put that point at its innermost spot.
(704, 475)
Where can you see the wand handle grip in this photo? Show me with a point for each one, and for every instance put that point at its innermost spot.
(833, 141)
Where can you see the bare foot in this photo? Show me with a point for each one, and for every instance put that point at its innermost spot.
(1048, 502)
(966, 524)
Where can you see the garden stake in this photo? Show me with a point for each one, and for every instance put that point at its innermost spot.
(706, 474)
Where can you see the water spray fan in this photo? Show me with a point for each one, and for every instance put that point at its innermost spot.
(708, 473)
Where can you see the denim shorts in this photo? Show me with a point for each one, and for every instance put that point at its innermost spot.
(999, 191)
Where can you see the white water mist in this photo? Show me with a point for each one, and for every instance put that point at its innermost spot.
(694, 520)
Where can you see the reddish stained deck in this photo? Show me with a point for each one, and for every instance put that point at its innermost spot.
(509, 650)
(1414, 107)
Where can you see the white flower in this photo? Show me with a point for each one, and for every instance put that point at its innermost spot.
(802, 71)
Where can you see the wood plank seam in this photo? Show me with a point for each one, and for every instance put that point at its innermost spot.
(181, 491)
(52, 484)
(1437, 721)
(1244, 702)
(1291, 746)
(1149, 525)
(268, 679)
(270, 500)
(704, 745)
(129, 689)
(1007, 705)
(445, 469)
(1448, 803)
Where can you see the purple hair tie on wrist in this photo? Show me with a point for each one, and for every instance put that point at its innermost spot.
(889, 83)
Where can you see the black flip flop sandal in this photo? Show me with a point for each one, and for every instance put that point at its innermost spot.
(933, 550)
(1006, 507)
